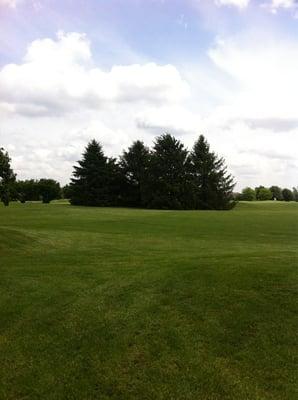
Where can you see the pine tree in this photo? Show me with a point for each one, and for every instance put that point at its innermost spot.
(166, 187)
(7, 177)
(93, 179)
(212, 185)
(134, 165)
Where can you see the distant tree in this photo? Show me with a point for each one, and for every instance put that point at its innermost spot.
(167, 177)
(134, 165)
(237, 196)
(94, 179)
(257, 190)
(27, 190)
(276, 193)
(248, 194)
(49, 190)
(263, 193)
(66, 192)
(287, 195)
(295, 193)
(212, 185)
(7, 177)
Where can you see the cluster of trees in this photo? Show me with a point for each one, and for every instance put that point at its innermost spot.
(262, 193)
(168, 176)
(45, 190)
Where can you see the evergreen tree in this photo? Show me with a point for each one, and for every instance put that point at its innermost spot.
(134, 165)
(94, 178)
(7, 177)
(115, 182)
(66, 192)
(167, 177)
(212, 185)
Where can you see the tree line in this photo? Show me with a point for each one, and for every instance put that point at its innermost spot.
(45, 190)
(167, 176)
(262, 193)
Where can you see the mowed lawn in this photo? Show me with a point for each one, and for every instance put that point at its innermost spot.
(138, 304)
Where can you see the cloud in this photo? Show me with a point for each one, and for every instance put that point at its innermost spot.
(243, 98)
(265, 74)
(275, 5)
(9, 3)
(57, 76)
(173, 119)
(237, 3)
(57, 99)
(273, 124)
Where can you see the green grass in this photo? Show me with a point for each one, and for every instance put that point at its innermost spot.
(139, 304)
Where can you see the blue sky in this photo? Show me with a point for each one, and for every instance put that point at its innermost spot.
(159, 30)
(118, 70)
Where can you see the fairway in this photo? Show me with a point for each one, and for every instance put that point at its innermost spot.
(103, 303)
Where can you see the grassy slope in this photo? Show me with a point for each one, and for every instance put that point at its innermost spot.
(136, 304)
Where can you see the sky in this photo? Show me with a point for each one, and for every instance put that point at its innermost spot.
(122, 70)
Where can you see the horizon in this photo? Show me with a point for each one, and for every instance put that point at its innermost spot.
(120, 72)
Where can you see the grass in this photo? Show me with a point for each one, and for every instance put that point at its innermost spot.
(139, 304)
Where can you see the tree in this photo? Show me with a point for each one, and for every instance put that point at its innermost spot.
(263, 193)
(49, 190)
(27, 190)
(295, 193)
(167, 175)
(276, 193)
(7, 177)
(248, 194)
(134, 166)
(212, 185)
(66, 192)
(93, 182)
(115, 183)
(287, 195)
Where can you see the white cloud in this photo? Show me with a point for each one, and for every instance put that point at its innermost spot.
(283, 4)
(275, 5)
(265, 74)
(237, 3)
(9, 3)
(244, 100)
(259, 115)
(58, 76)
(56, 100)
